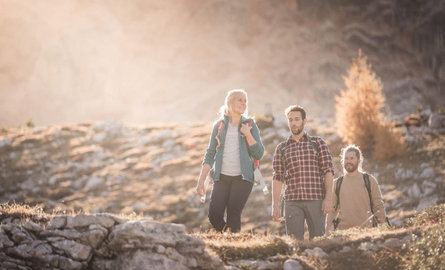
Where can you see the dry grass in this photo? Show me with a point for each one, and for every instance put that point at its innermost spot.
(230, 247)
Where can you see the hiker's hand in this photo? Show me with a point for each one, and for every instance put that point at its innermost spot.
(200, 189)
(276, 214)
(245, 129)
(327, 206)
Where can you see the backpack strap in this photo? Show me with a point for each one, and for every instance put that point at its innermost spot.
(368, 188)
(218, 135)
(255, 161)
(338, 183)
(315, 145)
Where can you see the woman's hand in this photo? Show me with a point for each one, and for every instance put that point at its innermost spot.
(245, 129)
(200, 189)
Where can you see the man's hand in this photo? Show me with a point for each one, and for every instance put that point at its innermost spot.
(327, 206)
(276, 214)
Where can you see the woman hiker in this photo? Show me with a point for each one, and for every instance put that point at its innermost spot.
(234, 143)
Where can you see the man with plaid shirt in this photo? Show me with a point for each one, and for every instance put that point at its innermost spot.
(304, 164)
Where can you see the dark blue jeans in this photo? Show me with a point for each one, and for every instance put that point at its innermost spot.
(231, 193)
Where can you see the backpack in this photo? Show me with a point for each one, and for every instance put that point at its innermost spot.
(368, 188)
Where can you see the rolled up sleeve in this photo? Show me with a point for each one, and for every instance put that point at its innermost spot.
(257, 149)
(277, 164)
(325, 158)
(209, 156)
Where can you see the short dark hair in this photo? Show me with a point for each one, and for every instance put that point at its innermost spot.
(295, 108)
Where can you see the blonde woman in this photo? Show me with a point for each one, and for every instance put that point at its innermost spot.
(234, 142)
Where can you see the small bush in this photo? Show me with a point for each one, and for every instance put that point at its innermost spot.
(432, 215)
(428, 250)
(359, 119)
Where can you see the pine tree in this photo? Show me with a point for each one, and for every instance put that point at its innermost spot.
(358, 109)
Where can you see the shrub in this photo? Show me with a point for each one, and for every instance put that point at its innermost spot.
(428, 250)
(359, 119)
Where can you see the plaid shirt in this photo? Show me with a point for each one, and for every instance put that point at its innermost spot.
(305, 172)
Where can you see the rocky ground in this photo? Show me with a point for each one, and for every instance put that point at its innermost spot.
(152, 171)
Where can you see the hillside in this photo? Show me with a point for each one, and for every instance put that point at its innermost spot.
(152, 171)
(145, 176)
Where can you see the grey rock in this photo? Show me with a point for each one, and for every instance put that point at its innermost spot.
(426, 202)
(160, 249)
(95, 182)
(95, 235)
(57, 222)
(117, 219)
(393, 243)
(142, 260)
(291, 264)
(5, 142)
(408, 238)
(364, 246)
(43, 252)
(101, 264)
(83, 220)
(23, 251)
(316, 252)
(145, 234)
(174, 255)
(31, 226)
(4, 240)
(428, 187)
(256, 264)
(190, 245)
(69, 264)
(67, 234)
(345, 249)
(436, 121)
(75, 250)
(427, 173)
(414, 191)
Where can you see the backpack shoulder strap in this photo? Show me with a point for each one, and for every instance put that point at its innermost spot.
(315, 145)
(255, 161)
(218, 135)
(338, 183)
(368, 188)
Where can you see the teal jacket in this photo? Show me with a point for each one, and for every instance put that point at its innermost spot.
(214, 154)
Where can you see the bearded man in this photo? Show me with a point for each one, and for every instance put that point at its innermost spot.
(303, 165)
(357, 196)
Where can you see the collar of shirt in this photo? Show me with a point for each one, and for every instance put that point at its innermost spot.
(291, 139)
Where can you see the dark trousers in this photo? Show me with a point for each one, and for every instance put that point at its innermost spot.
(231, 193)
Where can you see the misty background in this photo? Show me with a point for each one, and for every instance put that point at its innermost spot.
(172, 61)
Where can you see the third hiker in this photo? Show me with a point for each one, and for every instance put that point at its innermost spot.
(357, 196)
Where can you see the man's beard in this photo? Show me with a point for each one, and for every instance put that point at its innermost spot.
(299, 130)
(351, 167)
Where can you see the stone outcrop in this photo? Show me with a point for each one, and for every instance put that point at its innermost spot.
(99, 242)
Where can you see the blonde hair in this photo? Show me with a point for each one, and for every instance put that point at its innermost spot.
(353, 148)
(225, 110)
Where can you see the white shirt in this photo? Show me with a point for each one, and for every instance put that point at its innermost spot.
(231, 164)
